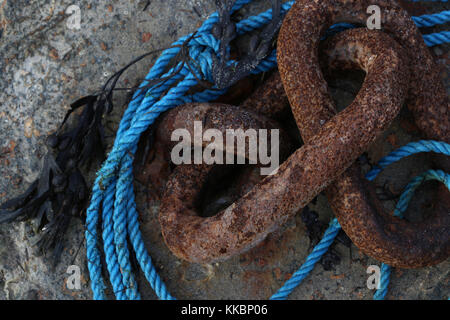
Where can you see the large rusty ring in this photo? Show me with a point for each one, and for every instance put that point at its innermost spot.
(385, 238)
(307, 172)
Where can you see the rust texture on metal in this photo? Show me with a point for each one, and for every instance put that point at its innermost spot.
(186, 186)
(386, 238)
(308, 171)
(268, 99)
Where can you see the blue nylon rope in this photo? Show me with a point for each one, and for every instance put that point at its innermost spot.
(113, 192)
(429, 20)
(435, 39)
(109, 170)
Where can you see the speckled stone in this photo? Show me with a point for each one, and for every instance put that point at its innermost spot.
(44, 66)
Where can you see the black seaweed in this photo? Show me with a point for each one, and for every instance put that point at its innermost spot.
(259, 45)
(60, 192)
(146, 5)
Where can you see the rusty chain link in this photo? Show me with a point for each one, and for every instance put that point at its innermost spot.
(399, 68)
(386, 238)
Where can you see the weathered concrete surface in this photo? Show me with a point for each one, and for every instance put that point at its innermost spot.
(44, 66)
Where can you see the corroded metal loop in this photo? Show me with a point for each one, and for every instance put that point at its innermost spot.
(386, 238)
(216, 116)
(182, 212)
(308, 171)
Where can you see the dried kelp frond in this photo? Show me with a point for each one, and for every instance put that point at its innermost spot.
(259, 45)
(69, 204)
(61, 192)
(36, 196)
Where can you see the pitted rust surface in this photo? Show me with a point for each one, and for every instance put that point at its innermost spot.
(269, 99)
(300, 35)
(187, 183)
(379, 235)
(299, 179)
(214, 116)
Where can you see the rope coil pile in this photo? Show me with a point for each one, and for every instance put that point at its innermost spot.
(113, 196)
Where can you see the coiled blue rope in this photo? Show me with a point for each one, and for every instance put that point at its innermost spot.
(113, 192)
